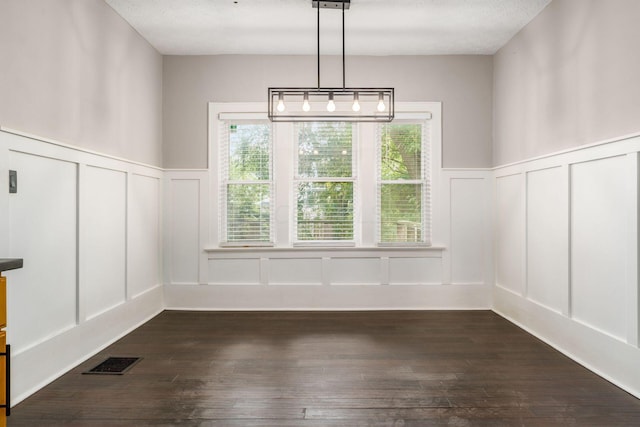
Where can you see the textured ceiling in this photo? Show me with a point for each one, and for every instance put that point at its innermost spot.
(373, 27)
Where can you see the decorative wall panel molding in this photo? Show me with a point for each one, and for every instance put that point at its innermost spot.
(89, 230)
(567, 254)
(240, 274)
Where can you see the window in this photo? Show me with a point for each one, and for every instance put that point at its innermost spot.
(247, 189)
(403, 186)
(324, 182)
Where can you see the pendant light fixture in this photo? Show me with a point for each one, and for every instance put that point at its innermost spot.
(345, 104)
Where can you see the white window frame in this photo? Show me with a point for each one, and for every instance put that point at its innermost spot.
(223, 167)
(365, 188)
(296, 179)
(219, 113)
(424, 181)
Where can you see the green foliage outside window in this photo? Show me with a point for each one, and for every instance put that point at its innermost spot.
(324, 208)
(324, 182)
(401, 188)
(249, 157)
(248, 189)
(248, 212)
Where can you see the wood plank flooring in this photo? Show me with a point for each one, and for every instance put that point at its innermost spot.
(435, 368)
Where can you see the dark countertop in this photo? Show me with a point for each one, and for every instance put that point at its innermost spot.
(10, 263)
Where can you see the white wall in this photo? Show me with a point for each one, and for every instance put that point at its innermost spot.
(463, 83)
(567, 254)
(75, 71)
(568, 78)
(454, 274)
(87, 225)
(566, 210)
(88, 229)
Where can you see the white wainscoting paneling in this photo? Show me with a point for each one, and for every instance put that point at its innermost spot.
(598, 234)
(471, 226)
(86, 226)
(339, 297)
(325, 266)
(295, 271)
(41, 364)
(547, 238)
(144, 233)
(510, 232)
(184, 211)
(415, 271)
(42, 297)
(579, 254)
(356, 271)
(103, 216)
(239, 275)
(608, 357)
(186, 221)
(239, 271)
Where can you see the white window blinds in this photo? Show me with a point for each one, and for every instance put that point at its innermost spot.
(324, 182)
(247, 186)
(404, 210)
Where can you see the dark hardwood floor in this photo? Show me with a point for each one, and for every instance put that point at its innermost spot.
(440, 368)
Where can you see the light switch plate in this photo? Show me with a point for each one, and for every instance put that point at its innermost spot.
(13, 182)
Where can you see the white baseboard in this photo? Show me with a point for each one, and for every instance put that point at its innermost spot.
(603, 354)
(72, 347)
(341, 297)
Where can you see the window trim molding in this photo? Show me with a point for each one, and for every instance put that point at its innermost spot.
(223, 167)
(257, 110)
(332, 251)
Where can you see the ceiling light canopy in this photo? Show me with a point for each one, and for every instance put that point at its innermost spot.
(350, 104)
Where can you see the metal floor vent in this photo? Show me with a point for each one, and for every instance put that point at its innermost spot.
(114, 366)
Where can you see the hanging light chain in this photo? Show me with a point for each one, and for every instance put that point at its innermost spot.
(363, 105)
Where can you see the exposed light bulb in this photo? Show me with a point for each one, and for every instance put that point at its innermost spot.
(280, 106)
(305, 104)
(381, 106)
(331, 106)
(356, 102)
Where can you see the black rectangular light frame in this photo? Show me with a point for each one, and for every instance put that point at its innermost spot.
(293, 98)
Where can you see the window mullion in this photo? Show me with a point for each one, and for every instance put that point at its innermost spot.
(282, 172)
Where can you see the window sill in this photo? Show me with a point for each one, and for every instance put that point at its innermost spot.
(327, 252)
